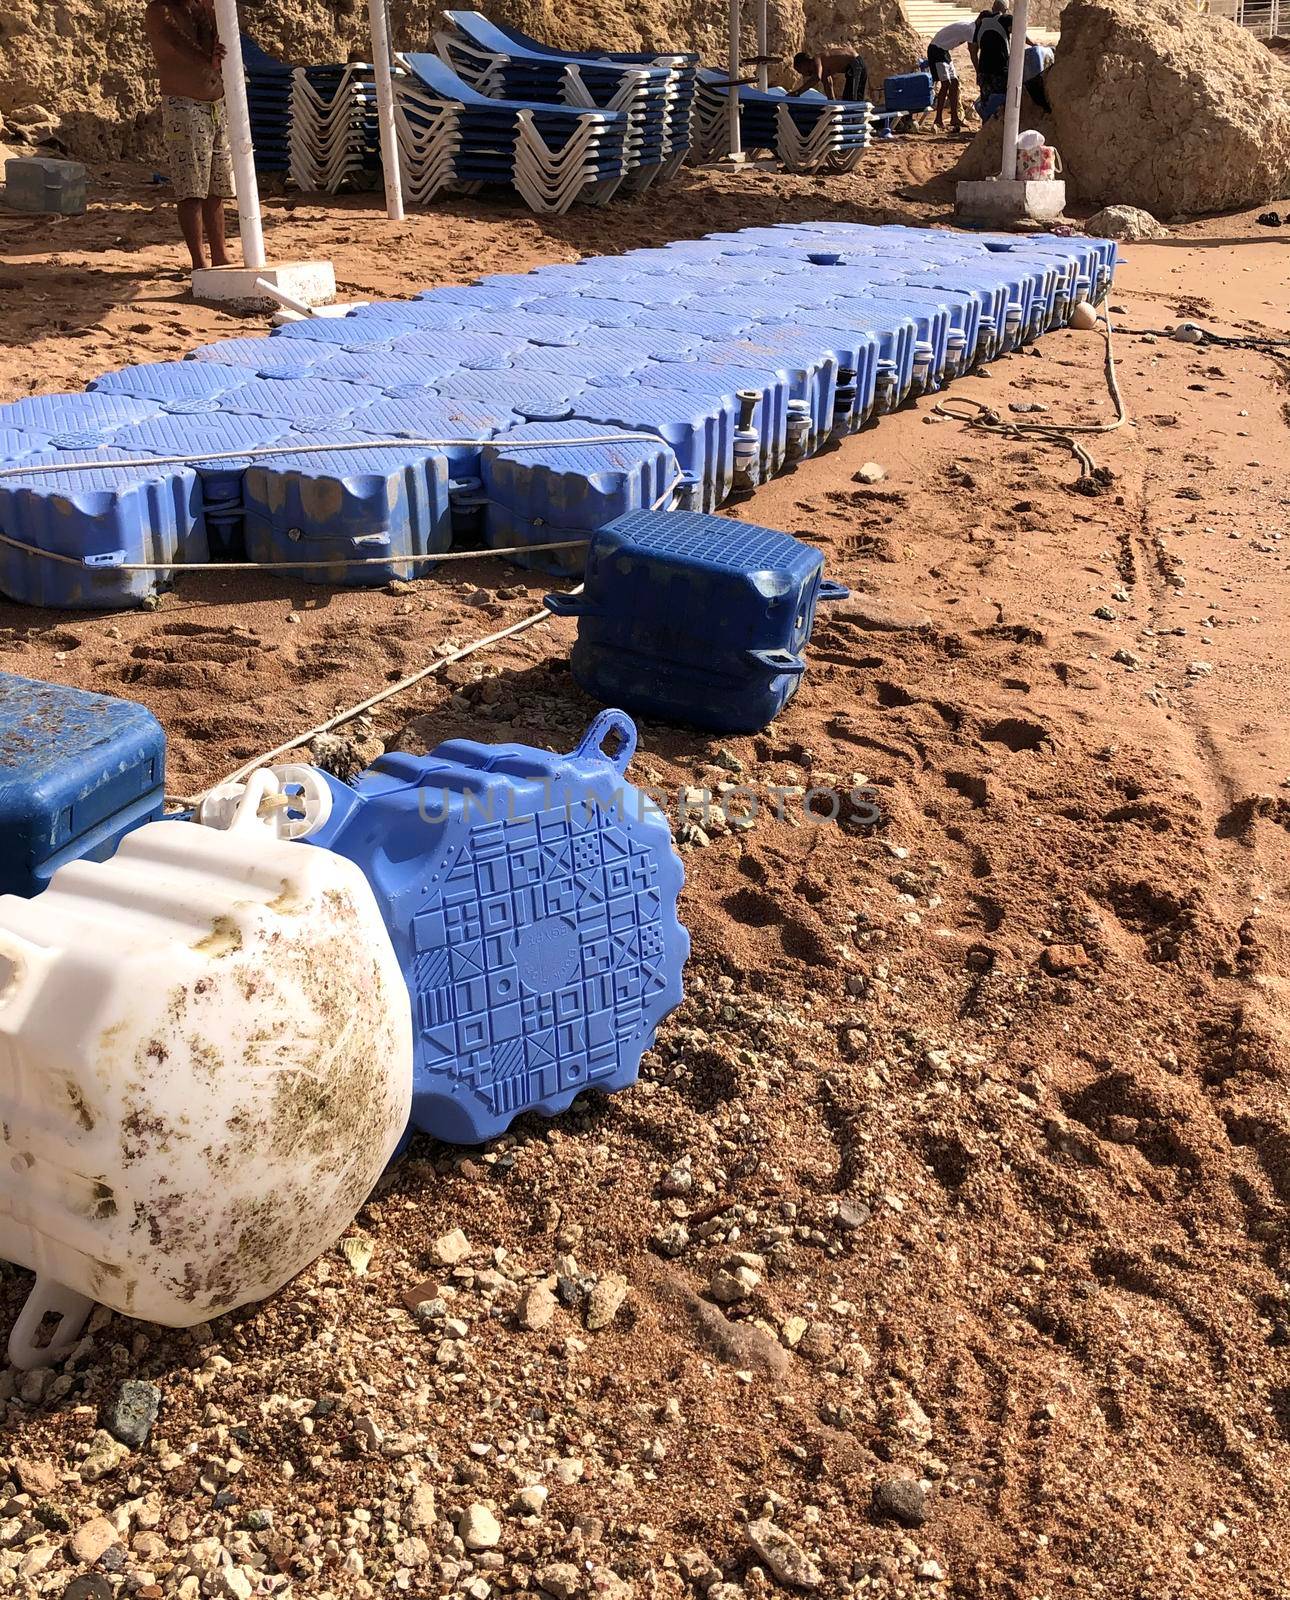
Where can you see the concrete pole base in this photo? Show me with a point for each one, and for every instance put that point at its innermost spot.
(311, 282)
(1004, 200)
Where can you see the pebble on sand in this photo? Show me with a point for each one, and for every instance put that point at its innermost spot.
(478, 1528)
(421, 1512)
(902, 1499)
(562, 1580)
(36, 1478)
(89, 1586)
(727, 1286)
(131, 1412)
(1064, 958)
(450, 1249)
(536, 1308)
(358, 1251)
(849, 1217)
(787, 1561)
(105, 1456)
(605, 1301)
(91, 1539)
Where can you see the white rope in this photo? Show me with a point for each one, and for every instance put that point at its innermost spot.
(341, 717)
(293, 566)
(303, 448)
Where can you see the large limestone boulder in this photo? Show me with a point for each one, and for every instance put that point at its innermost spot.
(1159, 106)
(1125, 222)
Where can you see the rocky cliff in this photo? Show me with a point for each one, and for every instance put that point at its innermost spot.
(1160, 106)
(81, 71)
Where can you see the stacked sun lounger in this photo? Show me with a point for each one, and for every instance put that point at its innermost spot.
(428, 128)
(683, 65)
(804, 132)
(657, 96)
(335, 135)
(551, 154)
(268, 98)
(493, 107)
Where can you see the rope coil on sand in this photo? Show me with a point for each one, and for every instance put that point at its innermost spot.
(1065, 435)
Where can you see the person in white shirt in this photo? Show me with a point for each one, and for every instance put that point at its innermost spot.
(940, 60)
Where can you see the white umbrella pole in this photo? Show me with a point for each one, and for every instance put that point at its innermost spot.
(1012, 102)
(763, 47)
(239, 133)
(380, 25)
(736, 143)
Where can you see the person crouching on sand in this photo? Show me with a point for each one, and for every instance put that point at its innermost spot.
(837, 74)
(185, 45)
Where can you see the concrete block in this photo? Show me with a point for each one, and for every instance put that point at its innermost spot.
(1002, 200)
(312, 282)
(44, 184)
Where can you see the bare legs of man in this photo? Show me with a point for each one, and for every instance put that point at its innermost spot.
(202, 223)
(213, 221)
(948, 93)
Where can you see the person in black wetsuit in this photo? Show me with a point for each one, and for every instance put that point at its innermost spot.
(989, 47)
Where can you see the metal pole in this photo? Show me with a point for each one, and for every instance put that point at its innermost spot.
(763, 47)
(380, 25)
(239, 134)
(736, 143)
(1012, 102)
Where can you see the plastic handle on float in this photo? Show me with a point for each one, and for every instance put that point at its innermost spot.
(831, 589)
(308, 800)
(246, 812)
(467, 492)
(564, 605)
(610, 722)
(779, 661)
(48, 1299)
(22, 966)
(300, 802)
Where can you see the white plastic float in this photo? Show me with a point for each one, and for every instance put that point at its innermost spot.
(205, 1064)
